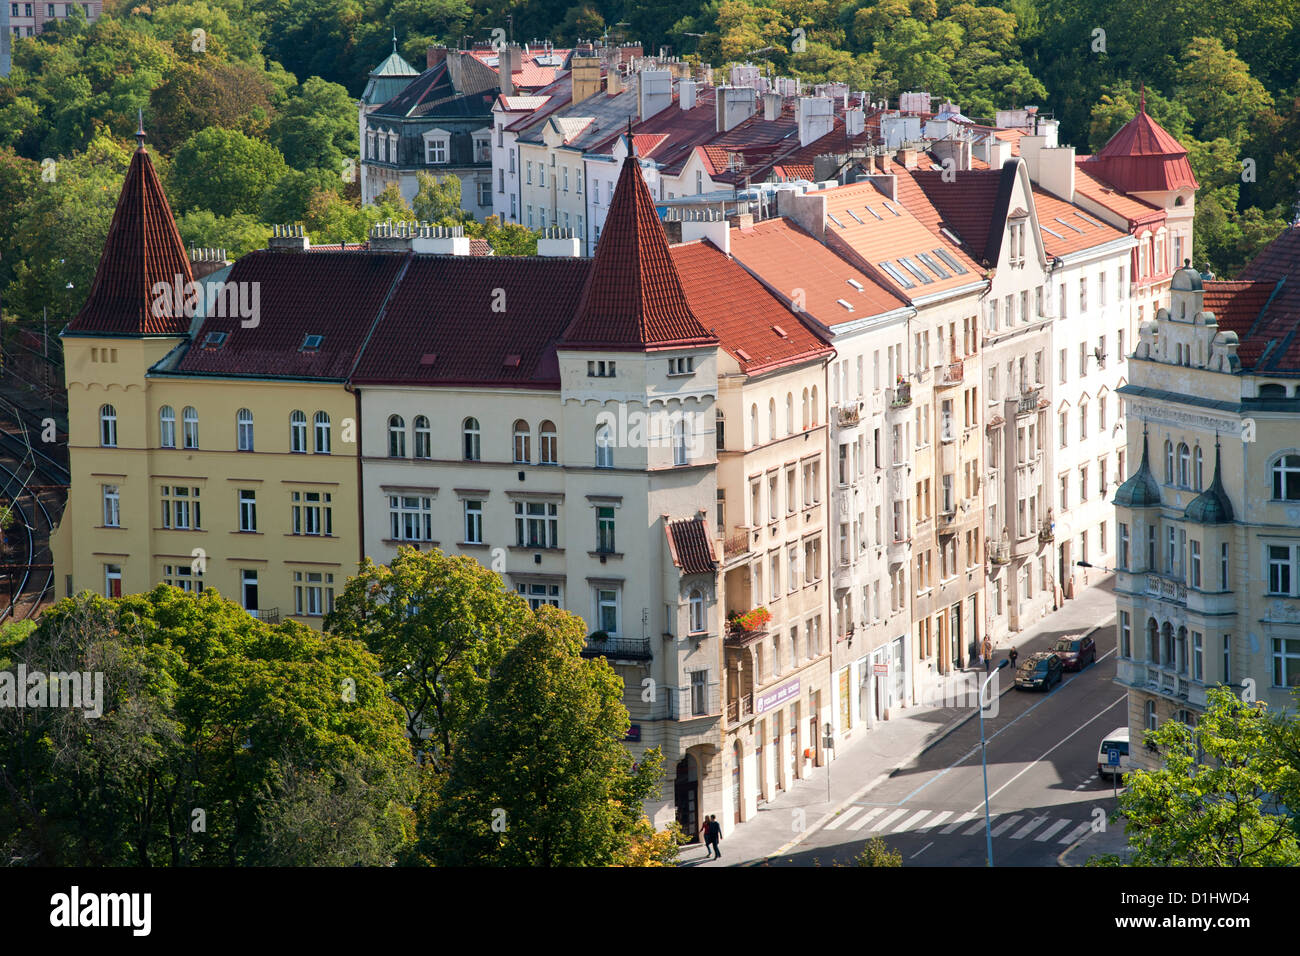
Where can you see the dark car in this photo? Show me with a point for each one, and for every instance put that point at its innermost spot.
(1042, 671)
(1076, 653)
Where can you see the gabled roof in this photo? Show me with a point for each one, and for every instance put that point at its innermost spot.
(1276, 330)
(1143, 157)
(433, 94)
(440, 327)
(751, 324)
(691, 545)
(786, 258)
(143, 248)
(633, 298)
(336, 295)
(972, 204)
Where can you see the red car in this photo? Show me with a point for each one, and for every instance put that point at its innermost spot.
(1076, 653)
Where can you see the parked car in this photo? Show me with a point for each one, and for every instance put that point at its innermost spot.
(1076, 653)
(1042, 671)
(1117, 739)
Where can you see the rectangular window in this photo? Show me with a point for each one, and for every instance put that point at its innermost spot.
(313, 593)
(1223, 566)
(1125, 635)
(1280, 574)
(247, 510)
(539, 593)
(112, 506)
(183, 576)
(537, 524)
(312, 512)
(180, 507)
(607, 611)
(1286, 662)
(605, 530)
(410, 517)
(473, 521)
(1198, 656)
(1123, 546)
(699, 693)
(1195, 563)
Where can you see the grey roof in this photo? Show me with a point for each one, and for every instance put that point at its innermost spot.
(609, 116)
(1141, 489)
(1212, 505)
(433, 94)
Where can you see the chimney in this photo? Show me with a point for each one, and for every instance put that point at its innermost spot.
(434, 55)
(613, 81)
(289, 238)
(958, 150)
(772, 104)
(654, 92)
(686, 94)
(855, 122)
(735, 105)
(204, 262)
(506, 61)
(707, 224)
(455, 70)
(906, 157)
(816, 118)
(886, 184)
(1056, 171)
(558, 243)
(585, 75)
(418, 237)
(998, 152)
(708, 74)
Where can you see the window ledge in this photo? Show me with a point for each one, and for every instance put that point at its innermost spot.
(185, 530)
(251, 534)
(604, 554)
(524, 549)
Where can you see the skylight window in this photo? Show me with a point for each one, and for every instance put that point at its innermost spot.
(1050, 232)
(855, 283)
(950, 261)
(311, 343)
(846, 305)
(933, 266)
(874, 213)
(742, 355)
(855, 216)
(951, 235)
(834, 220)
(1067, 225)
(1088, 219)
(912, 267)
(780, 331)
(890, 206)
(897, 276)
(214, 340)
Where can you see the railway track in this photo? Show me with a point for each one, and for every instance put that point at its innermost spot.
(28, 477)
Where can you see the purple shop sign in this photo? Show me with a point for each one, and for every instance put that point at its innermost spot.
(777, 697)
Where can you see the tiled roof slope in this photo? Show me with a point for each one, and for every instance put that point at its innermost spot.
(973, 205)
(789, 261)
(440, 327)
(1276, 332)
(142, 248)
(337, 295)
(633, 298)
(691, 546)
(1089, 184)
(755, 328)
(433, 93)
(1143, 157)
(1085, 234)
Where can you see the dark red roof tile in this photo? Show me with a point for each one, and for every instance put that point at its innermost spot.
(1278, 324)
(973, 205)
(1143, 157)
(691, 546)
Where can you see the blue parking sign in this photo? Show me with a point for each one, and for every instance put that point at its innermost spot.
(1112, 757)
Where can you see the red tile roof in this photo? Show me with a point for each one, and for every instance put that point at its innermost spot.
(633, 298)
(1277, 330)
(752, 325)
(1089, 184)
(973, 205)
(142, 248)
(336, 295)
(443, 308)
(796, 267)
(1236, 305)
(691, 546)
(1143, 157)
(1085, 234)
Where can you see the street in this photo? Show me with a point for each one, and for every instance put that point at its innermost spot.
(1044, 790)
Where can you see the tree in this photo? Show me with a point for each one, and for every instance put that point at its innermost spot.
(1217, 88)
(439, 625)
(290, 198)
(510, 239)
(438, 198)
(317, 127)
(209, 93)
(220, 740)
(236, 234)
(876, 852)
(1222, 796)
(542, 777)
(224, 171)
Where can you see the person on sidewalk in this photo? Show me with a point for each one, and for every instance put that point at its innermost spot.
(706, 837)
(986, 651)
(1013, 654)
(712, 834)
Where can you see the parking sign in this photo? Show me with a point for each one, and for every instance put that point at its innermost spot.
(1112, 757)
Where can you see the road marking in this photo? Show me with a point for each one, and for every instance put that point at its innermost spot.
(977, 827)
(1052, 831)
(961, 821)
(1045, 754)
(938, 819)
(922, 850)
(1007, 825)
(886, 821)
(1029, 828)
(1077, 832)
(843, 818)
(866, 818)
(911, 821)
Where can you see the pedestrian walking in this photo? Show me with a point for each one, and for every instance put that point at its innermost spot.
(986, 650)
(706, 835)
(1013, 654)
(716, 833)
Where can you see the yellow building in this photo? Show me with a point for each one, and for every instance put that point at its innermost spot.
(214, 445)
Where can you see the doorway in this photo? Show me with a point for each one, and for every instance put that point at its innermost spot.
(737, 791)
(686, 794)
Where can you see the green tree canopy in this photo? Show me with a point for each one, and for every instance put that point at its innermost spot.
(224, 171)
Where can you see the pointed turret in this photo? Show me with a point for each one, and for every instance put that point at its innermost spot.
(1212, 505)
(633, 297)
(1143, 157)
(1141, 489)
(143, 248)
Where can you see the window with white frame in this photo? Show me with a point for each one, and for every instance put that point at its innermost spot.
(313, 593)
(605, 530)
(183, 576)
(473, 508)
(396, 436)
(437, 148)
(298, 432)
(180, 507)
(312, 512)
(112, 506)
(410, 517)
(699, 620)
(247, 510)
(167, 427)
(321, 426)
(190, 426)
(537, 593)
(1286, 478)
(604, 446)
(523, 439)
(1281, 569)
(548, 443)
(537, 524)
(607, 611)
(108, 426)
(472, 437)
(423, 437)
(1286, 662)
(243, 430)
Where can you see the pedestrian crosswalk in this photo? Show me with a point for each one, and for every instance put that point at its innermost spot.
(885, 821)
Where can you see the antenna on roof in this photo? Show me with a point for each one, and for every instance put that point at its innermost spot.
(139, 133)
(1142, 99)
(631, 144)
(394, 39)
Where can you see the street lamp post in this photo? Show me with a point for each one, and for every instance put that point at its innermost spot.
(984, 760)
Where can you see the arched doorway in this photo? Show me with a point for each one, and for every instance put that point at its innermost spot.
(686, 794)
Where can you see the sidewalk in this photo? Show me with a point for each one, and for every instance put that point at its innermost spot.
(870, 756)
(1097, 844)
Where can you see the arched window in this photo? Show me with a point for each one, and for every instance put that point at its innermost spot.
(108, 426)
(523, 442)
(604, 447)
(190, 426)
(789, 413)
(1167, 645)
(719, 431)
(548, 444)
(771, 419)
(167, 427)
(1198, 468)
(472, 439)
(681, 442)
(753, 425)
(1184, 465)
(1180, 650)
(1286, 478)
(698, 623)
(814, 406)
(243, 429)
(396, 436)
(803, 423)
(321, 422)
(1169, 462)
(1153, 641)
(297, 432)
(423, 437)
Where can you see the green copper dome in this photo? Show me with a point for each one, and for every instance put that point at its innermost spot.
(1141, 489)
(1211, 506)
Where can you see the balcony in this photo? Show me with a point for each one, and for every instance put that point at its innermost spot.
(736, 544)
(738, 710)
(951, 374)
(1168, 589)
(1027, 404)
(945, 522)
(748, 627)
(1000, 554)
(618, 649)
(846, 415)
(1047, 532)
(268, 615)
(1142, 675)
(901, 395)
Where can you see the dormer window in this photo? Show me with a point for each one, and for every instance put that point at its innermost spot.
(437, 147)
(312, 343)
(214, 340)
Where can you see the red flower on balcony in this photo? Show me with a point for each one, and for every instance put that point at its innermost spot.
(751, 620)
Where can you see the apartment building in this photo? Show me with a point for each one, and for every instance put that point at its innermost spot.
(1208, 583)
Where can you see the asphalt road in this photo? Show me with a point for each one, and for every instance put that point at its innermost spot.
(1044, 791)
